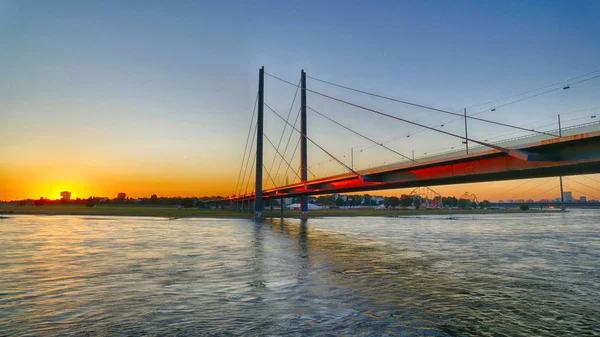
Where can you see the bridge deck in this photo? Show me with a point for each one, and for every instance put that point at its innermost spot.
(541, 156)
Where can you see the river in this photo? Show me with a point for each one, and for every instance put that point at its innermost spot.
(482, 275)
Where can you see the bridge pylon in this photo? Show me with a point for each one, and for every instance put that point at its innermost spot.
(258, 204)
(303, 147)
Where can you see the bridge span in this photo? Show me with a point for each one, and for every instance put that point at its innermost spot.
(554, 153)
(569, 155)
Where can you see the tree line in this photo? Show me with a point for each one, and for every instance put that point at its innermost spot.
(393, 201)
(324, 200)
(122, 199)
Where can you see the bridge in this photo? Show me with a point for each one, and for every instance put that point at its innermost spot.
(561, 152)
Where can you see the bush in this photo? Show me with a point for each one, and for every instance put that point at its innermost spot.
(524, 207)
(90, 202)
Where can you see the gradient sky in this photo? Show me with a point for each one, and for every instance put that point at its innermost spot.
(99, 97)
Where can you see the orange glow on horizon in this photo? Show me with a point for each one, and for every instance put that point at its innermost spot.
(85, 181)
(163, 179)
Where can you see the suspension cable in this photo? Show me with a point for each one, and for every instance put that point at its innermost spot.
(288, 143)
(251, 170)
(536, 95)
(285, 125)
(269, 175)
(317, 145)
(546, 191)
(246, 146)
(598, 181)
(361, 135)
(424, 106)
(293, 155)
(539, 185)
(273, 145)
(397, 118)
(248, 159)
(571, 187)
(588, 186)
(514, 188)
(534, 90)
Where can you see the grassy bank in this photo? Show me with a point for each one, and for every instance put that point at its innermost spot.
(173, 212)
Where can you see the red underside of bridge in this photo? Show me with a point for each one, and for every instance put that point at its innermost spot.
(572, 155)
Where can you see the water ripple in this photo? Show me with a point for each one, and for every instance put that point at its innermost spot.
(495, 275)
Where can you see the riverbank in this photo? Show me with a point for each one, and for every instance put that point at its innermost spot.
(173, 212)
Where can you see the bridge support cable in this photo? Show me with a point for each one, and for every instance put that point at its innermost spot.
(247, 159)
(514, 188)
(477, 113)
(288, 167)
(363, 136)
(287, 144)
(536, 95)
(269, 175)
(249, 178)
(534, 90)
(513, 153)
(427, 107)
(571, 188)
(498, 135)
(538, 185)
(284, 128)
(246, 146)
(582, 184)
(592, 179)
(247, 165)
(546, 191)
(277, 151)
(293, 153)
(317, 145)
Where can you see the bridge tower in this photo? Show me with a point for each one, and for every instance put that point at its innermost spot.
(303, 149)
(258, 204)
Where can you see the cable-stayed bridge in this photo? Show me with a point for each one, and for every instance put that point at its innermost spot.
(565, 151)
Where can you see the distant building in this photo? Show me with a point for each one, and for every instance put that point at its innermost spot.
(65, 195)
(582, 199)
(568, 196)
(501, 201)
(519, 201)
(510, 201)
(530, 201)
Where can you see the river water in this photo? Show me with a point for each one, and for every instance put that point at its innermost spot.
(487, 275)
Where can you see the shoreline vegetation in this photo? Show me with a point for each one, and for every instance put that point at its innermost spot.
(174, 213)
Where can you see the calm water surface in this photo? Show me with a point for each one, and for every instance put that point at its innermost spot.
(491, 275)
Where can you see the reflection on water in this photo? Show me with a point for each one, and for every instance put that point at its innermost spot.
(492, 275)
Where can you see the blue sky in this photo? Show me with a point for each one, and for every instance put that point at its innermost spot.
(144, 82)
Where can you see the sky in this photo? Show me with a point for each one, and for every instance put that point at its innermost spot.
(156, 97)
